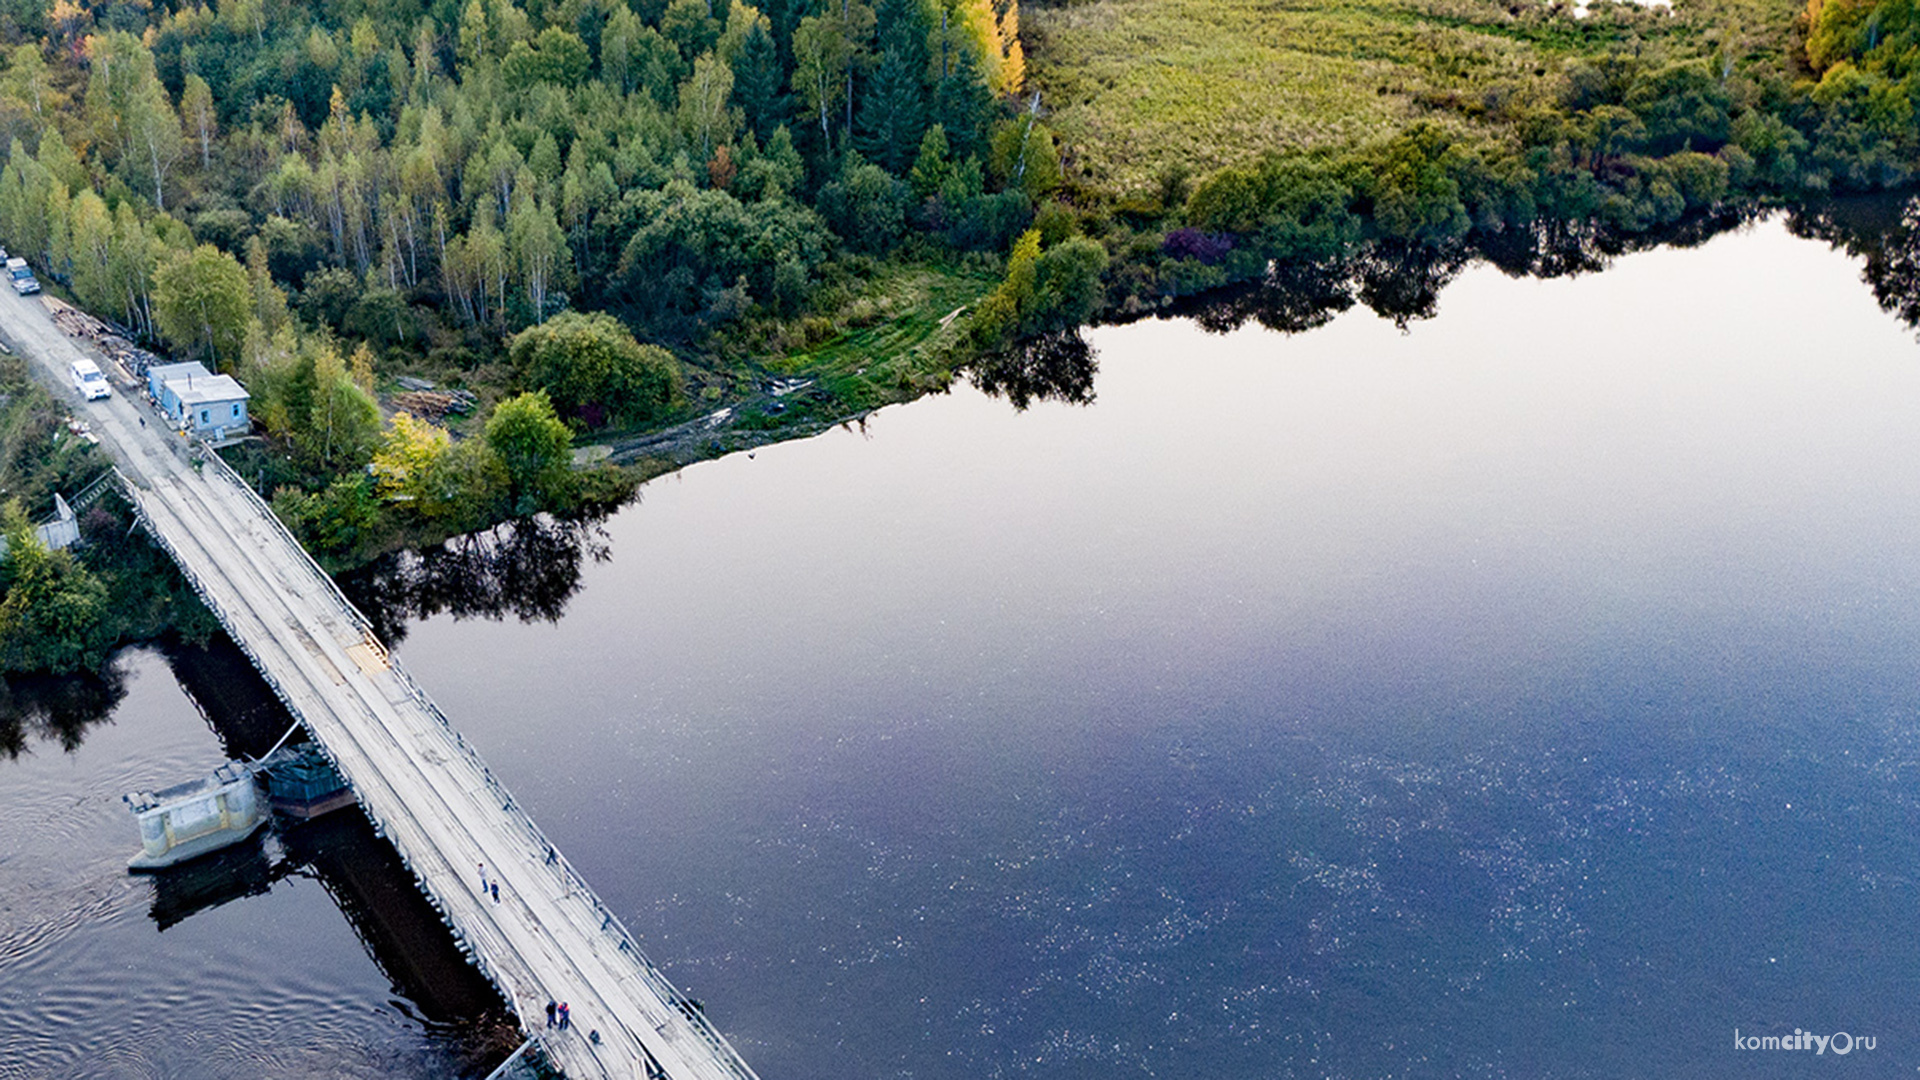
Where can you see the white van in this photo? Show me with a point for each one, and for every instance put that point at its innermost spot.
(89, 381)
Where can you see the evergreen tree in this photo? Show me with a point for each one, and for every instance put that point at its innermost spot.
(931, 166)
(759, 83)
(962, 104)
(893, 112)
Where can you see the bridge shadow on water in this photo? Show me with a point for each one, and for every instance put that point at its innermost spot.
(528, 569)
(432, 981)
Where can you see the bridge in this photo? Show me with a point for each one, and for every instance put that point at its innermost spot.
(547, 936)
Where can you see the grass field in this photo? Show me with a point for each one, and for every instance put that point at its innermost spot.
(893, 341)
(1137, 86)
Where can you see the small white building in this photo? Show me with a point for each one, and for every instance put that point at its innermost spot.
(213, 406)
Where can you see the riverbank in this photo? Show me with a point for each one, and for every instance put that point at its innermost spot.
(764, 278)
(1383, 145)
(65, 611)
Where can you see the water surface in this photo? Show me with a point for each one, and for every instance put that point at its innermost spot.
(1360, 702)
(1527, 691)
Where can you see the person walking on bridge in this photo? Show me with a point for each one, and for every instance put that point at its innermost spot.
(552, 1009)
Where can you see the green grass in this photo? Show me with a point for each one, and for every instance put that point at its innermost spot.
(1136, 87)
(887, 342)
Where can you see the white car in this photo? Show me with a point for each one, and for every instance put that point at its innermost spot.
(89, 381)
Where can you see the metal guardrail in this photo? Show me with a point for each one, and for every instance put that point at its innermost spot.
(91, 493)
(575, 886)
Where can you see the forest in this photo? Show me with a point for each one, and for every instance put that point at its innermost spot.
(603, 217)
(317, 197)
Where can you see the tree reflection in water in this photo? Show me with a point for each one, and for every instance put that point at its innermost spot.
(528, 568)
(1403, 282)
(1291, 299)
(1053, 367)
(1882, 231)
(1397, 281)
(531, 568)
(57, 708)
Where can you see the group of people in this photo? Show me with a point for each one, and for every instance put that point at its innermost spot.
(558, 1015)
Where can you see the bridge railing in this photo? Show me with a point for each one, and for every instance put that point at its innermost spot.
(574, 885)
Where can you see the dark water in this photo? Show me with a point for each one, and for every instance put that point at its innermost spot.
(306, 954)
(1528, 693)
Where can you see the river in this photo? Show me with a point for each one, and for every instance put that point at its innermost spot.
(1522, 691)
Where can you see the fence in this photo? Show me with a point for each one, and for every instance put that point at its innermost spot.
(574, 887)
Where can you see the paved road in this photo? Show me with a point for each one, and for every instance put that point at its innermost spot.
(547, 937)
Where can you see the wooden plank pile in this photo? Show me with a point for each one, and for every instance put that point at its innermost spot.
(78, 324)
(435, 404)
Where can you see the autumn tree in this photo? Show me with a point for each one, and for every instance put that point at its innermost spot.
(705, 115)
(130, 113)
(538, 249)
(410, 467)
(202, 120)
(343, 422)
(202, 301)
(822, 52)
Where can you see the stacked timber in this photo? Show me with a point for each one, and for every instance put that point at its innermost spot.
(78, 324)
(435, 404)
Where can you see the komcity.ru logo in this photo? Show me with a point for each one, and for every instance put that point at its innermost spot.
(1839, 1042)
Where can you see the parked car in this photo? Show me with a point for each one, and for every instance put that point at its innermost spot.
(22, 277)
(89, 381)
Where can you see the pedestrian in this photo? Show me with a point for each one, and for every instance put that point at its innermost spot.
(483, 877)
(552, 1010)
(496, 892)
(566, 1017)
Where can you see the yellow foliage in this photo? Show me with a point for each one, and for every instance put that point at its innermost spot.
(68, 20)
(994, 26)
(361, 367)
(405, 467)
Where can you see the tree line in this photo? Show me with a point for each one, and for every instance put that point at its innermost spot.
(531, 190)
(426, 174)
(1629, 143)
(302, 193)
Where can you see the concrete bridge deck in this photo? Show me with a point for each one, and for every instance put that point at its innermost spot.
(548, 936)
